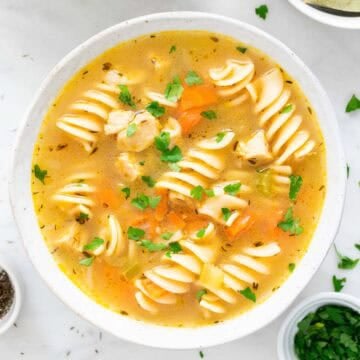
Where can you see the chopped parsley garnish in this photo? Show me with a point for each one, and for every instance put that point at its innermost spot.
(154, 201)
(162, 143)
(290, 224)
(226, 213)
(232, 189)
(209, 114)
(135, 233)
(347, 170)
(291, 267)
(197, 192)
(94, 244)
(200, 293)
(174, 167)
(209, 192)
(174, 90)
(82, 218)
(167, 235)
(142, 163)
(353, 104)
(155, 109)
(126, 191)
(357, 246)
(174, 248)
(248, 294)
(143, 201)
(220, 136)
(329, 333)
(241, 49)
(39, 174)
(286, 109)
(262, 11)
(201, 354)
(295, 185)
(125, 96)
(151, 246)
(87, 261)
(192, 78)
(131, 130)
(345, 262)
(148, 180)
(338, 284)
(172, 49)
(201, 233)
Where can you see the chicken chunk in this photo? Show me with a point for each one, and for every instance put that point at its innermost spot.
(118, 120)
(128, 167)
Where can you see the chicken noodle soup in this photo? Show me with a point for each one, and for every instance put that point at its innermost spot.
(178, 178)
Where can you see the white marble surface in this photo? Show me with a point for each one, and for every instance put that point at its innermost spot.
(34, 35)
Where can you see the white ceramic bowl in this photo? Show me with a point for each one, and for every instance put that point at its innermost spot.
(125, 327)
(9, 319)
(285, 344)
(345, 22)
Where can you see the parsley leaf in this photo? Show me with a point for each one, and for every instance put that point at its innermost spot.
(209, 114)
(174, 167)
(295, 185)
(82, 218)
(346, 262)
(241, 49)
(155, 109)
(94, 244)
(209, 192)
(338, 283)
(220, 136)
(248, 294)
(174, 248)
(167, 235)
(291, 267)
(162, 141)
(232, 189)
(126, 191)
(201, 354)
(172, 49)
(197, 192)
(125, 96)
(171, 155)
(192, 78)
(357, 246)
(40, 174)
(200, 293)
(87, 261)
(151, 246)
(286, 109)
(149, 181)
(201, 233)
(262, 11)
(290, 224)
(226, 213)
(347, 170)
(135, 233)
(154, 201)
(174, 90)
(141, 202)
(131, 130)
(353, 104)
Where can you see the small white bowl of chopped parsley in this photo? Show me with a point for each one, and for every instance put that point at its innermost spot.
(325, 326)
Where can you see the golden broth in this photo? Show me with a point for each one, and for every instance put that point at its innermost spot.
(151, 62)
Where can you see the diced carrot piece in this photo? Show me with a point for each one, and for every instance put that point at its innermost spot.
(175, 221)
(163, 206)
(241, 224)
(196, 225)
(189, 119)
(197, 96)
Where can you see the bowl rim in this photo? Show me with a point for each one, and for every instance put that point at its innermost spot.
(177, 338)
(338, 21)
(285, 339)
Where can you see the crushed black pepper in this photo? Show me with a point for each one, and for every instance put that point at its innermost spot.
(6, 293)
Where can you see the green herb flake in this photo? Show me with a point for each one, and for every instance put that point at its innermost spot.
(174, 90)
(192, 78)
(141, 202)
(162, 141)
(295, 185)
(152, 247)
(209, 192)
(82, 218)
(135, 233)
(125, 96)
(155, 109)
(94, 244)
(201, 354)
(338, 284)
(220, 136)
(200, 293)
(291, 267)
(241, 49)
(345, 262)
(201, 233)
(353, 104)
(286, 109)
(174, 167)
(209, 114)
(40, 174)
(173, 155)
(347, 171)
(131, 130)
(126, 191)
(290, 224)
(175, 247)
(357, 246)
(248, 294)
(87, 261)
(167, 235)
(197, 192)
(232, 189)
(172, 49)
(148, 180)
(154, 201)
(226, 213)
(262, 11)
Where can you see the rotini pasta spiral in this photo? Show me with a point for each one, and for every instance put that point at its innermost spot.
(274, 179)
(271, 100)
(232, 78)
(202, 164)
(164, 283)
(243, 270)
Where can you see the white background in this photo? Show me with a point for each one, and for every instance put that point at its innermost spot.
(34, 36)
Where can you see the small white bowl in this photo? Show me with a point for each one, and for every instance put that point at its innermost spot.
(345, 22)
(9, 319)
(288, 330)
